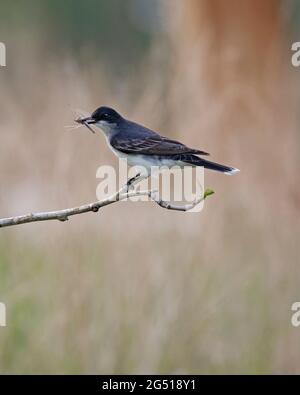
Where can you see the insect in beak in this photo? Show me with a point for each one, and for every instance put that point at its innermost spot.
(86, 122)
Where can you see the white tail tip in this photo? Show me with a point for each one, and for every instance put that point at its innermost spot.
(231, 172)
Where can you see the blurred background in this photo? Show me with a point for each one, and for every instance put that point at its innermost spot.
(135, 288)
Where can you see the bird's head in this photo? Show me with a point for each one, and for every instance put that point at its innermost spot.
(105, 118)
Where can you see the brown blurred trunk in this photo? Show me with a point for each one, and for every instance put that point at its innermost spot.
(239, 38)
(231, 47)
(230, 83)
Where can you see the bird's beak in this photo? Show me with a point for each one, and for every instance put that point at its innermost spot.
(86, 122)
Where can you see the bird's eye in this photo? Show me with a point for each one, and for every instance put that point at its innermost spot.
(105, 116)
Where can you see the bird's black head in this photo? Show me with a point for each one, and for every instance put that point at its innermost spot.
(106, 114)
(104, 117)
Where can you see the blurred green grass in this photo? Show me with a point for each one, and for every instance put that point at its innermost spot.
(93, 308)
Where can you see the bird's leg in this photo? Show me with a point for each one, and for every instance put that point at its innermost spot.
(133, 180)
(136, 180)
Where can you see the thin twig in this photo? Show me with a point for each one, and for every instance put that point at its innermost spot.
(122, 194)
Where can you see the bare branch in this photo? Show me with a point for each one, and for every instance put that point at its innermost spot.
(122, 194)
(185, 207)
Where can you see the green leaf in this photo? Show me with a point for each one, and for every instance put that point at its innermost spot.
(208, 192)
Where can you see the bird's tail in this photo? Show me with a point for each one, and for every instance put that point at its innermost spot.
(196, 161)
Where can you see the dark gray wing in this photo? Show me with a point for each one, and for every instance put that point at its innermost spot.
(151, 145)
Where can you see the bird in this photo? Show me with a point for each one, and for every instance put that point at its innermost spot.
(144, 147)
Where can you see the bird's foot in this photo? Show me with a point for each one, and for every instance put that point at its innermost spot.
(131, 182)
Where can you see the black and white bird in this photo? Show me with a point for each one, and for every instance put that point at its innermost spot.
(144, 147)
